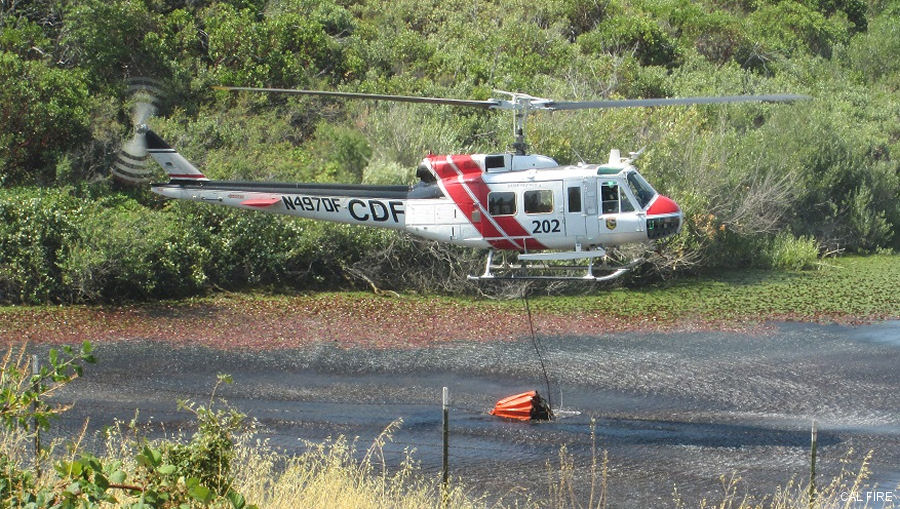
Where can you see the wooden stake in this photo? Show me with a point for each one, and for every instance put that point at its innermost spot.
(814, 439)
(35, 370)
(445, 468)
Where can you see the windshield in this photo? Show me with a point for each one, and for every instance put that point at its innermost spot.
(640, 188)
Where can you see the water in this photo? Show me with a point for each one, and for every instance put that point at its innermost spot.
(671, 409)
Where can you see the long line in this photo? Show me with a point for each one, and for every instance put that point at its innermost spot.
(534, 341)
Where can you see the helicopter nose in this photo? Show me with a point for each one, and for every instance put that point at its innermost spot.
(663, 205)
(664, 218)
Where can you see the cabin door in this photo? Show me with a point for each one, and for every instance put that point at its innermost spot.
(581, 209)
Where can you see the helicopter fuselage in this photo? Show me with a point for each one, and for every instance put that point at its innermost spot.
(549, 214)
(523, 203)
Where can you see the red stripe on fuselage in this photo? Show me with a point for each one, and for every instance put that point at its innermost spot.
(476, 183)
(463, 180)
(459, 194)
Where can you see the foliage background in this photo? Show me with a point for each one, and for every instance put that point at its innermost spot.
(761, 185)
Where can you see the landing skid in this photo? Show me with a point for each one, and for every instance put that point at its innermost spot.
(541, 270)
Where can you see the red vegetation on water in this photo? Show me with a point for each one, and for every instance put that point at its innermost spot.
(348, 320)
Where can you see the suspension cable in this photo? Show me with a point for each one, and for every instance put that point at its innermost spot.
(534, 341)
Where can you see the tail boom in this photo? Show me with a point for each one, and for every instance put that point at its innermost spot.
(422, 210)
(383, 206)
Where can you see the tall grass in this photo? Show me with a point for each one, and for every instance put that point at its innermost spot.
(845, 490)
(792, 253)
(332, 474)
(338, 474)
(563, 485)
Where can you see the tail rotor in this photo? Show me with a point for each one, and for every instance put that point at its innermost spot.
(131, 162)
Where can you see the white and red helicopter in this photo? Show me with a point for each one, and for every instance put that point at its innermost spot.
(550, 215)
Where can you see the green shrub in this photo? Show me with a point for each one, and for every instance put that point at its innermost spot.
(245, 248)
(257, 249)
(387, 173)
(129, 252)
(249, 50)
(791, 28)
(209, 454)
(792, 253)
(38, 227)
(56, 247)
(341, 154)
(164, 475)
(633, 32)
(872, 53)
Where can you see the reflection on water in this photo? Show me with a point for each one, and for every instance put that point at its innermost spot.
(885, 332)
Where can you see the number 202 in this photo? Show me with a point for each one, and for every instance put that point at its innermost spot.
(545, 226)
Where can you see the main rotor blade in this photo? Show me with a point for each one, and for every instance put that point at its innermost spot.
(672, 101)
(355, 95)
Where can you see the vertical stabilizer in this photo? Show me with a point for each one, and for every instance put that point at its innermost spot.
(174, 163)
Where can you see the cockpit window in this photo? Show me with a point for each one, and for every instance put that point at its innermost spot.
(609, 197)
(627, 206)
(640, 188)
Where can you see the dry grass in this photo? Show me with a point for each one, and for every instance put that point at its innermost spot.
(848, 489)
(339, 474)
(331, 474)
(563, 483)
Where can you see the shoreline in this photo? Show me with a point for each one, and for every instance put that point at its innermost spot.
(849, 291)
(268, 323)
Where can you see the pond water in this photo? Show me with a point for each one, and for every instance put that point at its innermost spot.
(671, 409)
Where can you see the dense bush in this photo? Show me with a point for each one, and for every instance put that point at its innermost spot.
(826, 171)
(43, 114)
(59, 247)
(122, 251)
(37, 231)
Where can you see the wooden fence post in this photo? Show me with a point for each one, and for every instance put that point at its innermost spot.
(814, 439)
(35, 370)
(445, 464)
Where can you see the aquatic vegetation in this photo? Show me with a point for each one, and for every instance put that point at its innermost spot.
(846, 290)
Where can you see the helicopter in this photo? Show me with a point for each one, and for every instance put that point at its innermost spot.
(556, 219)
